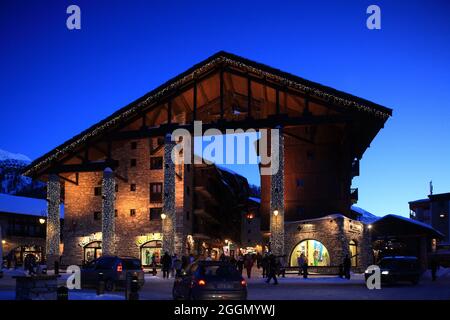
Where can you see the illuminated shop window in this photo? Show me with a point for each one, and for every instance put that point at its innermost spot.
(315, 253)
(353, 248)
(151, 253)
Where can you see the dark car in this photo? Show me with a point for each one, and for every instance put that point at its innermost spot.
(210, 280)
(399, 269)
(113, 270)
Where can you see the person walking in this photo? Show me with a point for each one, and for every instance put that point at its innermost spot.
(347, 266)
(153, 264)
(248, 264)
(434, 265)
(282, 266)
(191, 258)
(177, 266)
(272, 270)
(305, 268)
(240, 263)
(300, 262)
(166, 262)
(264, 265)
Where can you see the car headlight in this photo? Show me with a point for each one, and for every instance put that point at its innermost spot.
(385, 272)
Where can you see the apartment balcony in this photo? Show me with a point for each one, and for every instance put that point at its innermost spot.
(354, 195)
(355, 168)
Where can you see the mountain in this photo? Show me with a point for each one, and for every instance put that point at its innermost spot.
(11, 180)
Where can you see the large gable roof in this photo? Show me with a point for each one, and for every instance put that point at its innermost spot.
(313, 89)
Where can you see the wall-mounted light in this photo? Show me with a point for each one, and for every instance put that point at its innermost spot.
(226, 241)
(163, 216)
(3, 241)
(442, 215)
(275, 212)
(369, 226)
(41, 220)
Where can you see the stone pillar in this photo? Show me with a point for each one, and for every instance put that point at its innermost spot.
(168, 209)
(53, 220)
(277, 193)
(108, 219)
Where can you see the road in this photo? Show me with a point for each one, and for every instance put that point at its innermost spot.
(289, 288)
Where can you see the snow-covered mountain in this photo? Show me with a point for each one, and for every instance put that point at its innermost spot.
(11, 180)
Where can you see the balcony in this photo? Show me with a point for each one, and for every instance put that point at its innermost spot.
(354, 195)
(355, 168)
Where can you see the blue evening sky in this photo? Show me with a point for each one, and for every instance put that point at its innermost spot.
(54, 82)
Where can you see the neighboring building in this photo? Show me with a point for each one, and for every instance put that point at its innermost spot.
(23, 226)
(433, 211)
(324, 134)
(251, 237)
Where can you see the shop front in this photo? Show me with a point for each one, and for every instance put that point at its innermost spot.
(149, 250)
(92, 251)
(312, 251)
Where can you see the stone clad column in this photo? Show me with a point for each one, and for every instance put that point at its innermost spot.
(277, 193)
(53, 220)
(108, 218)
(168, 209)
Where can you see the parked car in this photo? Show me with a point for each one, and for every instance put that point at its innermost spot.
(398, 269)
(113, 270)
(210, 280)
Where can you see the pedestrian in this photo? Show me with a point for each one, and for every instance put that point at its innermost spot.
(153, 264)
(191, 258)
(172, 265)
(434, 264)
(240, 263)
(233, 260)
(166, 262)
(264, 265)
(300, 262)
(282, 266)
(184, 262)
(272, 270)
(305, 268)
(177, 266)
(347, 266)
(208, 257)
(248, 264)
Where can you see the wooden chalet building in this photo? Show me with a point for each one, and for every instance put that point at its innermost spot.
(117, 181)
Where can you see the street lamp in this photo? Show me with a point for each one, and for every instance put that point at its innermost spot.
(163, 216)
(369, 226)
(275, 212)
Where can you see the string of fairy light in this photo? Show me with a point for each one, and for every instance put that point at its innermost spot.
(169, 210)
(310, 90)
(53, 216)
(108, 218)
(277, 201)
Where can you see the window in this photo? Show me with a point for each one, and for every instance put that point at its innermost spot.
(310, 155)
(133, 145)
(155, 213)
(97, 215)
(300, 212)
(156, 163)
(156, 192)
(117, 187)
(132, 162)
(132, 187)
(132, 212)
(187, 215)
(98, 191)
(188, 191)
(300, 182)
(353, 248)
(116, 214)
(312, 251)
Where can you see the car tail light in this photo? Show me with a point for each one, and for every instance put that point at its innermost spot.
(243, 283)
(119, 267)
(201, 283)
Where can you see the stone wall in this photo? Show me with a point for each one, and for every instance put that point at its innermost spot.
(334, 232)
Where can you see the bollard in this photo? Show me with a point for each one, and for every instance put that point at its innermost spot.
(100, 284)
(134, 288)
(127, 286)
(62, 293)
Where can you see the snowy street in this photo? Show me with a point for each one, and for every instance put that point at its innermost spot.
(289, 288)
